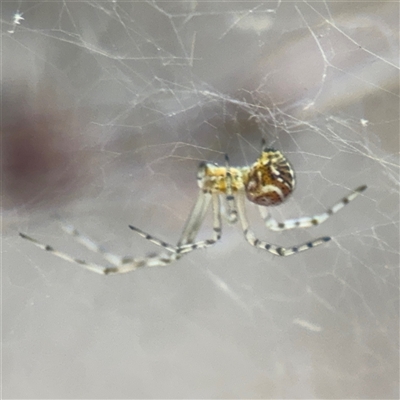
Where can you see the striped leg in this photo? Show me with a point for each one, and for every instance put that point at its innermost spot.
(230, 199)
(306, 222)
(272, 248)
(119, 265)
(194, 221)
(179, 250)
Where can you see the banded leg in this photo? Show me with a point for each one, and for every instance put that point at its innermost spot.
(90, 244)
(126, 264)
(272, 248)
(119, 265)
(306, 222)
(230, 199)
(195, 219)
(179, 250)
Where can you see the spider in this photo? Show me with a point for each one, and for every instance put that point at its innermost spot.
(268, 182)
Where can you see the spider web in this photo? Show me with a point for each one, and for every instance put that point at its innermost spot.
(107, 109)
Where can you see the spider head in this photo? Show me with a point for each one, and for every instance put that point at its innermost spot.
(270, 179)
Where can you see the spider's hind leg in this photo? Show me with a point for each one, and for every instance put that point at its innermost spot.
(306, 222)
(283, 251)
(271, 248)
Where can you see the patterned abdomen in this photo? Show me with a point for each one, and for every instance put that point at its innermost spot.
(270, 179)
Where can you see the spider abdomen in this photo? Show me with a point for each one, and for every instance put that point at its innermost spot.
(270, 179)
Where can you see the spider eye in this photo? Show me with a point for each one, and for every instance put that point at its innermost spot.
(270, 179)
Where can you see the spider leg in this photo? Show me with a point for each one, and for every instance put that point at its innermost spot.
(90, 244)
(272, 248)
(195, 224)
(119, 265)
(195, 219)
(125, 264)
(230, 199)
(217, 229)
(191, 227)
(153, 239)
(306, 222)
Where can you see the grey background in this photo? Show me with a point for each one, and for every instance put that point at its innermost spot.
(107, 109)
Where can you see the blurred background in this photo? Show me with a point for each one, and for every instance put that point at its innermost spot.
(107, 110)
